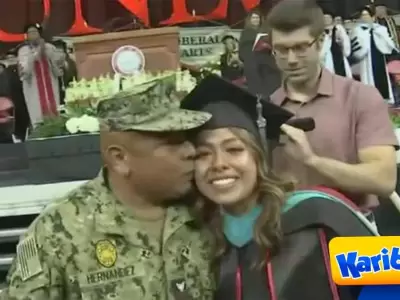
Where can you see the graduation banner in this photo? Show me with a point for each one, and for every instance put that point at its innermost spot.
(201, 45)
(198, 45)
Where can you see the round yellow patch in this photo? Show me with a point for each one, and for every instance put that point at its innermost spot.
(106, 253)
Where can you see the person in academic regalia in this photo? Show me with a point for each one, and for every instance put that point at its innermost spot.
(231, 66)
(336, 48)
(14, 85)
(262, 75)
(39, 69)
(384, 19)
(373, 44)
(261, 253)
(68, 68)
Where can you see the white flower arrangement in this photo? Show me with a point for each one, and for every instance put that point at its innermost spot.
(88, 93)
(83, 124)
(82, 97)
(104, 87)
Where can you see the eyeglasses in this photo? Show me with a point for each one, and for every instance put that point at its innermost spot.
(299, 50)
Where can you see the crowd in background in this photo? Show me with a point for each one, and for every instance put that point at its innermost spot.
(247, 61)
(256, 64)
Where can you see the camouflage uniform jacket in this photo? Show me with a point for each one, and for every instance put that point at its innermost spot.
(86, 247)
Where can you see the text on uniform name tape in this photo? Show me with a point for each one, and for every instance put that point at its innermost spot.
(365, 260)
(110, 275)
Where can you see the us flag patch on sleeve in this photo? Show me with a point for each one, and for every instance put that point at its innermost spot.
(28, 258)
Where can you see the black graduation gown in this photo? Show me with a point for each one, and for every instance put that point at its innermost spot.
(379, 69)
(262, 75)
(337, 55)
(299, 270)
(17, 97)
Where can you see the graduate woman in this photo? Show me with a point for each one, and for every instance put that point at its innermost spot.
(261, 253)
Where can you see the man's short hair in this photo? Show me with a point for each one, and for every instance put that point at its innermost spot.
(290, 15)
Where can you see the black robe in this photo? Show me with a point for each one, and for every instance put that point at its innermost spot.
(262, 75)
(390, 24)
(337, 55)
(298, 271)
(379, 69)
(17, 96)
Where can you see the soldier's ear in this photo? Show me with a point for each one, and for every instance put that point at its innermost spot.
(117, 160)
(114, 153)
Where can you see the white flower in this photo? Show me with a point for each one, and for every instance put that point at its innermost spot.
(72, 125)
(88, 124)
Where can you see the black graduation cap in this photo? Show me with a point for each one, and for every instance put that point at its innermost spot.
(33, 25)
(388, 9)
(12, 51)
(234, 106)
(227, 37)
(369, 8)
(380, 3)
(230, 105)
(329, 12)
(60, 44)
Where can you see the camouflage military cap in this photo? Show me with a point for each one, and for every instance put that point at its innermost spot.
(151, 106)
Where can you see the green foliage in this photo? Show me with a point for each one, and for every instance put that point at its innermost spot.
(50, 127)
(55, 125)
(395, 120)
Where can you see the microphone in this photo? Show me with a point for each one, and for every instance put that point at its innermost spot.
(305, 124)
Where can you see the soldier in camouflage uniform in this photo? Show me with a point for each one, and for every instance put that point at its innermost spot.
(91, 246)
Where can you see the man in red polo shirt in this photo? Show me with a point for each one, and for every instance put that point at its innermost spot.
(352, 148)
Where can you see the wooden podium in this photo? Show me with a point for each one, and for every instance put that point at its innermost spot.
(160, 47)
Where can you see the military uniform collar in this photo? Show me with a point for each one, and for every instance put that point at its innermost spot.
(106, 215)
(177, 216)
(110, 218)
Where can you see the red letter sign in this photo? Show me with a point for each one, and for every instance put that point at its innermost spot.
(80, 26)
(180, 14)
(46, 8)
(250, 4)
(11, 37)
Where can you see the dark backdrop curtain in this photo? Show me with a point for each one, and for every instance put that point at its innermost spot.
(15, 14)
